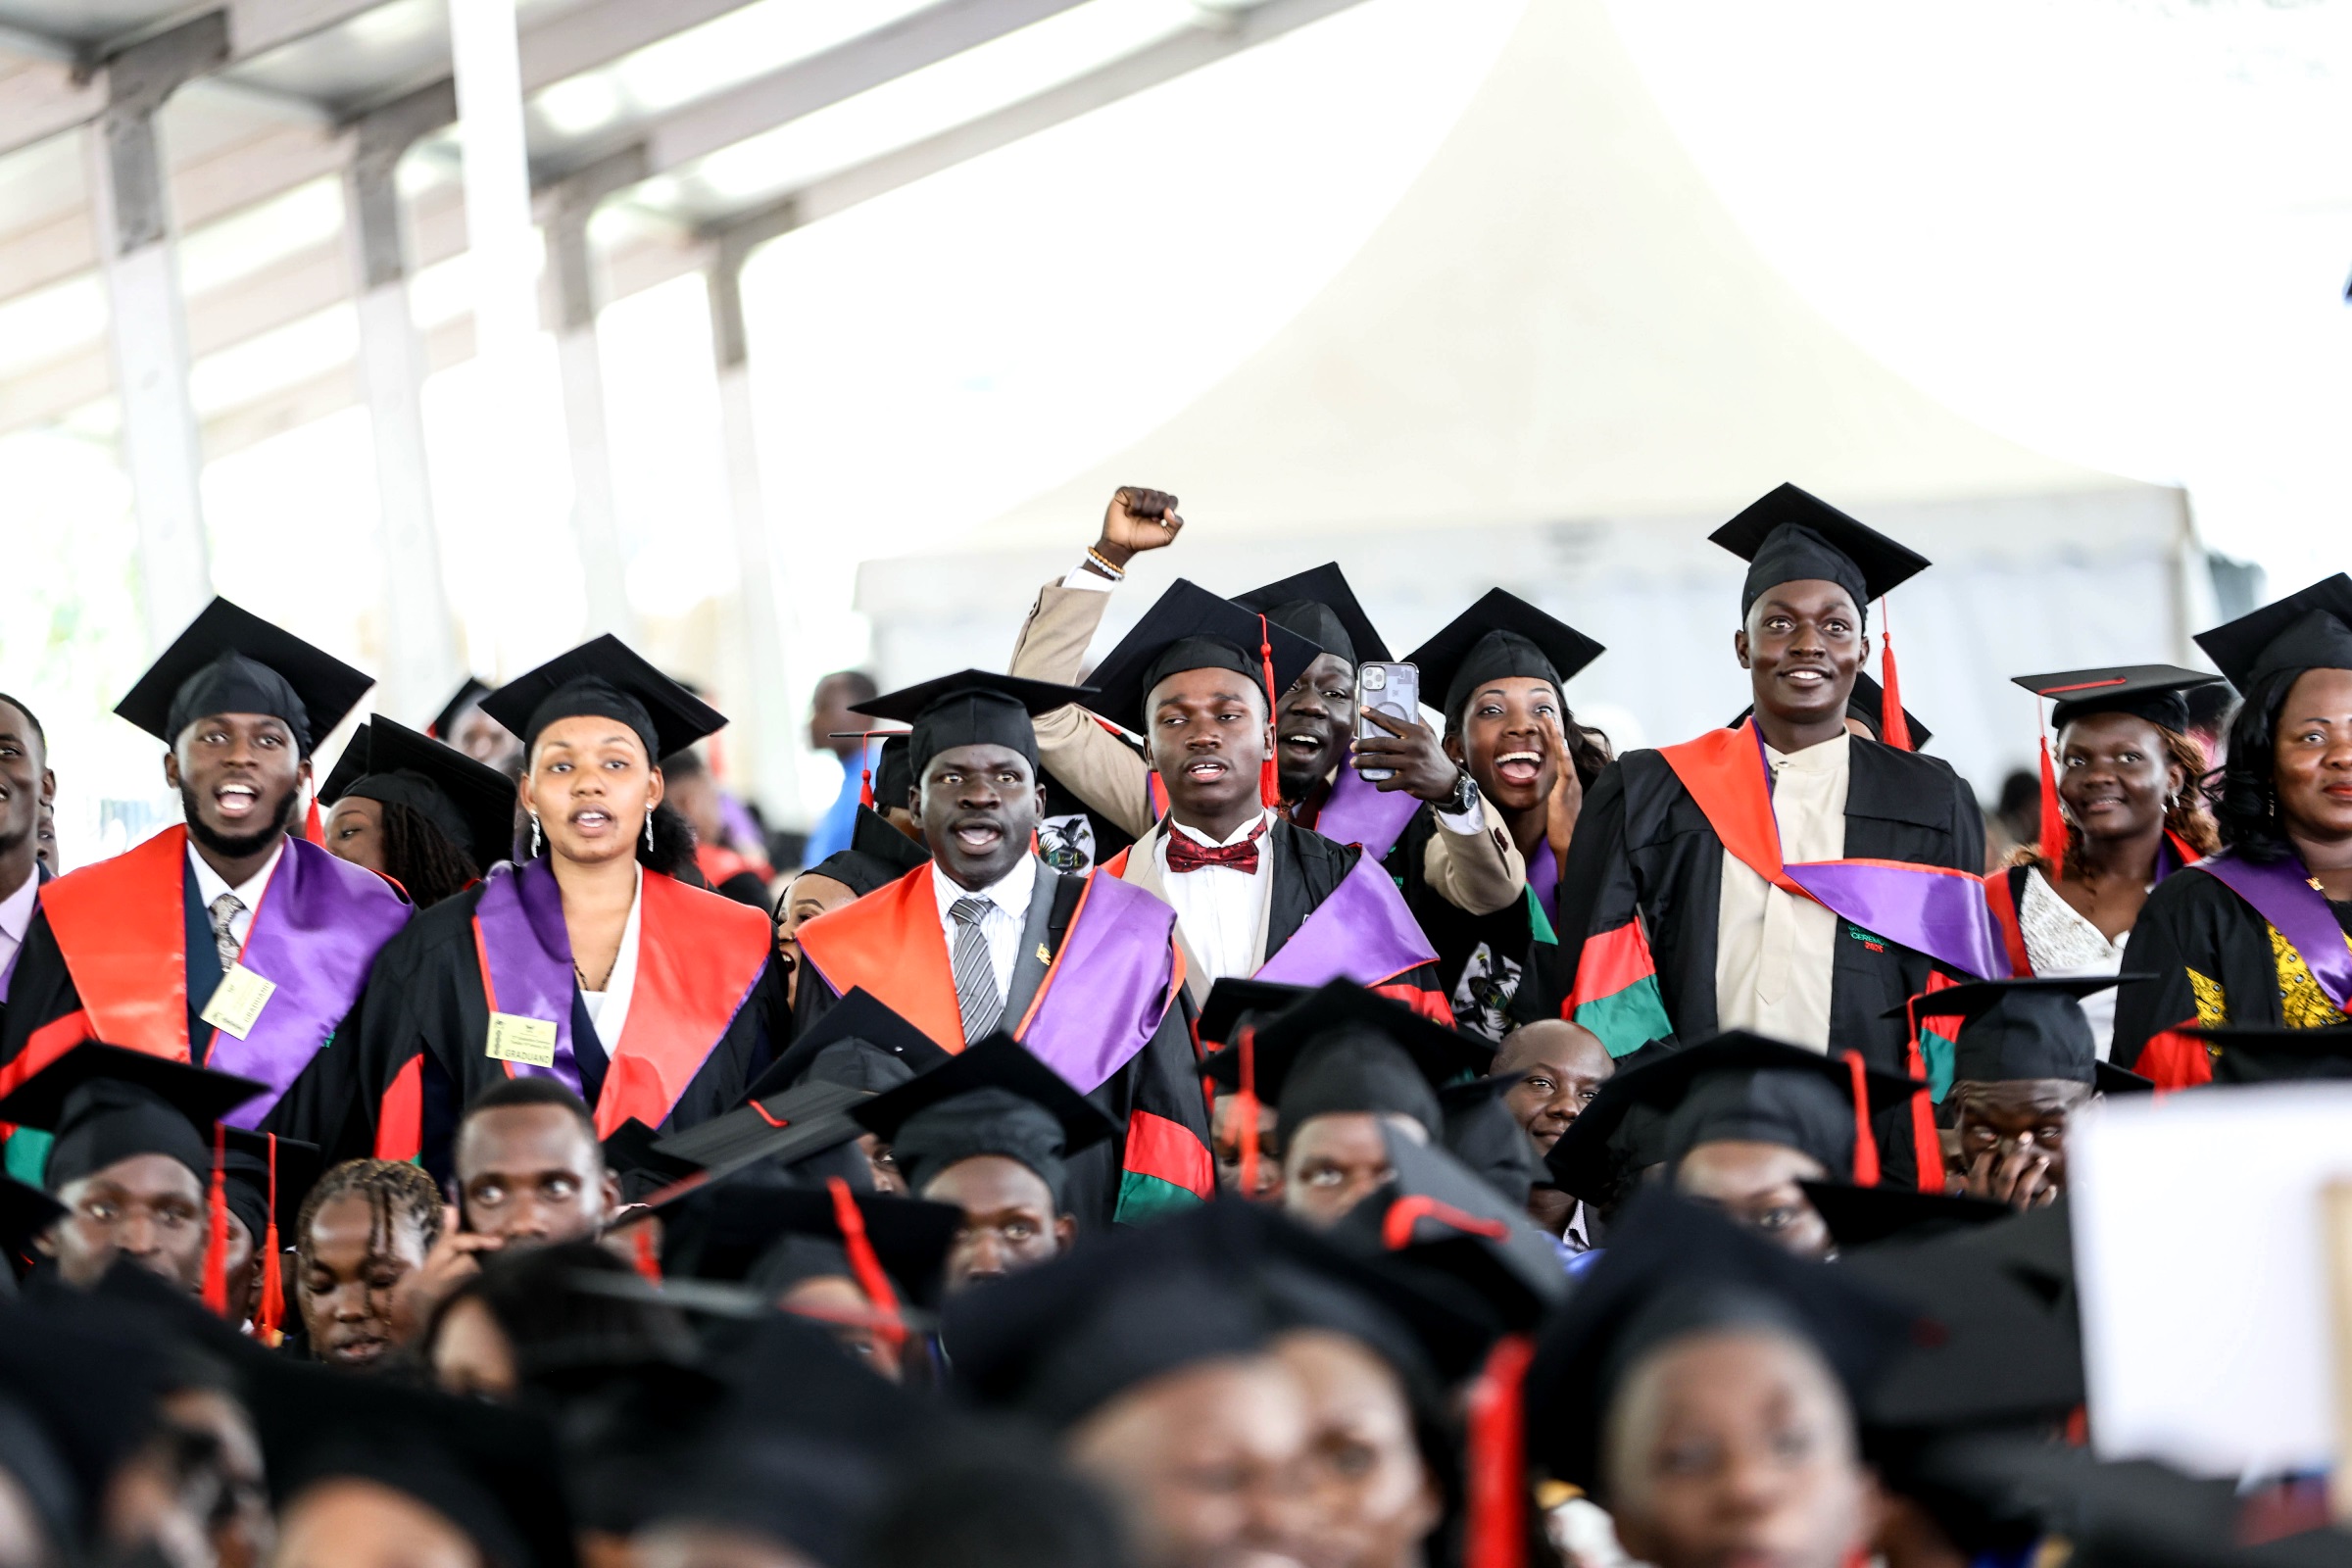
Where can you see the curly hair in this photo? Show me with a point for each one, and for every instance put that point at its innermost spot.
(394, 1189)
(2245, 795)
(2185, 817)
(421, 857)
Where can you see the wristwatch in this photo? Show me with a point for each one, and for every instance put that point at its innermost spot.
(1464, 798)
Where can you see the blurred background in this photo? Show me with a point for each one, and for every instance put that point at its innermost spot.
(789, 336)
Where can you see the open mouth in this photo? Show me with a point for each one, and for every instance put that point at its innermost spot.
(359, 1349)
(1805, 677)
(236, 802)
(978, 835)
(1303, 742)
(1519, 767)
(592, 821)
(1203, 768)
(2103, 803)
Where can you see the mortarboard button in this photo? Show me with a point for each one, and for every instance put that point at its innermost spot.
(231, 661)
(1498, 637)
(1790, 535)
(605, 678)
(1318, 605)
(1188, 627)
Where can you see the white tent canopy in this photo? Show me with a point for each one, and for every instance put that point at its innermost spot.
(1555, 365)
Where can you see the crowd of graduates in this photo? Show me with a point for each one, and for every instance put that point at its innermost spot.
(1214, 1112)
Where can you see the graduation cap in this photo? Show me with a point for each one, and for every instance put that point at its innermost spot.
(471, 804)
(1868, 704)
(2109, 1079)
(1344, 1048)
(605, 678)
(2309, 630)
(1233, 999)
(971, 707)
(1188, 627)
(231, 661)
(445, 722)
(860, 1043)
(1673, 1269)
(2153, 691)
(1861, 1217)
(775, 1234)
(1792, 536)
(1320, 606)
(492, 1472)
(78, 1398)
(1482, 1133)
(1441, 1216)
(2012, 1029)
(1500, 636)
(633, 1155)
(2261, 1054)
(993, 1098)
(263, 1180)
(780, 1129)
(105, 1105)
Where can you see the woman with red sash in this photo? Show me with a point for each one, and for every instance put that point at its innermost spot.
(2120, 811)
(2257, 935)
(588, 963)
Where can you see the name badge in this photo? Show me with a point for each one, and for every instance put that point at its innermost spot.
(238, 1002)
(529, 1041)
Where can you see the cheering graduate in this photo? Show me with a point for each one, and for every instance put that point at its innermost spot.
(406, 806)
(225, 942)
(1501, 670)
(2258, 936)
(586, 964)
(1723, 883)
(2122, 809)
(1316, 785)
(985, 936)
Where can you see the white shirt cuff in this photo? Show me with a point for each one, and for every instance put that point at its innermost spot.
(1467, 824)
(1085, 578)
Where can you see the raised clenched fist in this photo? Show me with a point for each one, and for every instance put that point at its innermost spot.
(1138, 519)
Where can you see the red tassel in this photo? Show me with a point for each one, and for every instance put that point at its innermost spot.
(1244, 1102)
(2052, 848)
(1397, 1227)
(1927, 1149)
(1866, 1147)
(272, 1310)
(1894, 728)
(1497, 1533)
(312, 828)
(216, 1241)
(647, 1261)
(1269, 777)
(864, 1264)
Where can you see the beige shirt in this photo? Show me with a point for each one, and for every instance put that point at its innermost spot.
(1773, 949)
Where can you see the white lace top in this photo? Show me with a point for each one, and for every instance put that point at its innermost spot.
(2063, 943)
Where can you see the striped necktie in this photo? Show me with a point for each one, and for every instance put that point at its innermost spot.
(976, 993)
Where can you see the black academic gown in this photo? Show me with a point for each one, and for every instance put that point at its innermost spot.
(2213, 960)
(1643, 845)
(1163, 1079)
(1498, 970)
(425, 1002)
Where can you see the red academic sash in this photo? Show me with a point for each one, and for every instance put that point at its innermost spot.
(890, 943)
(122, 925)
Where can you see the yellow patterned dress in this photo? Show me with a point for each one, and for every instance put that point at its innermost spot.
(2211, 959)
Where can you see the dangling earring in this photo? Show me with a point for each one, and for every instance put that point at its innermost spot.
(534, 835)
(648, 830)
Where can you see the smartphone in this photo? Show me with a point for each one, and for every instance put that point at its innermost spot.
(1390, 689)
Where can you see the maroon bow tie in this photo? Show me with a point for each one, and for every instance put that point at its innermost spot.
(1188, 854)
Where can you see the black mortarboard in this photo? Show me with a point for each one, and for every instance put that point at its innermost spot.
(231, 661)
(971, 707)
(1438, 1215)
(810, 1495)
(1482, 1133)
(857, 1029)
(605, 678)
(445, 722)
(877, 840)
(993, 1098)
(246, 1184)
(1188, 627)
(1674, 1268)
(2109, 1079)
(2153, 691)
(1343, 1049)
(1791, 536)
(2260, 1054)
(1501, 635)
(773, 1234)
(1233, 999)
(492, 1472)
(894, 774)
(1858, 1216)
(2000, 1350)
(633, 1155)
(1320, 606)
(778, 1129)
(2012, 1029)
(78, 1396)
(471, 804)
(2309, 630)
(1868, 703)
(1616, 1137)
(105, 1104)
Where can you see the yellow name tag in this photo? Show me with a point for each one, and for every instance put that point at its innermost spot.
(529, 1041)
(238, 1002)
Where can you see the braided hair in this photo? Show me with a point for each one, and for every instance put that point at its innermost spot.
(395, 1190)
(421, 857)
(2185, 817)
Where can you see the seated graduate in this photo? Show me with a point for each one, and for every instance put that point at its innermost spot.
(1739, 1122)
(1501, 670)
(132, 1159)
(998, 1134)
(2122, 809)
(1706, 882)
(1692, 1339)
(985, 936)
(226, 941)
(2257, 935)
(406, 806)
(586, 964)
(1554, 1069)
(1318, 784)
(2022, 1064)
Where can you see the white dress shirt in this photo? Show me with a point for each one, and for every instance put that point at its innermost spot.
(1773, 949)
(1220, 907)
(1001, 923)
(209, 886)
(609, 1008)
(15, 917)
